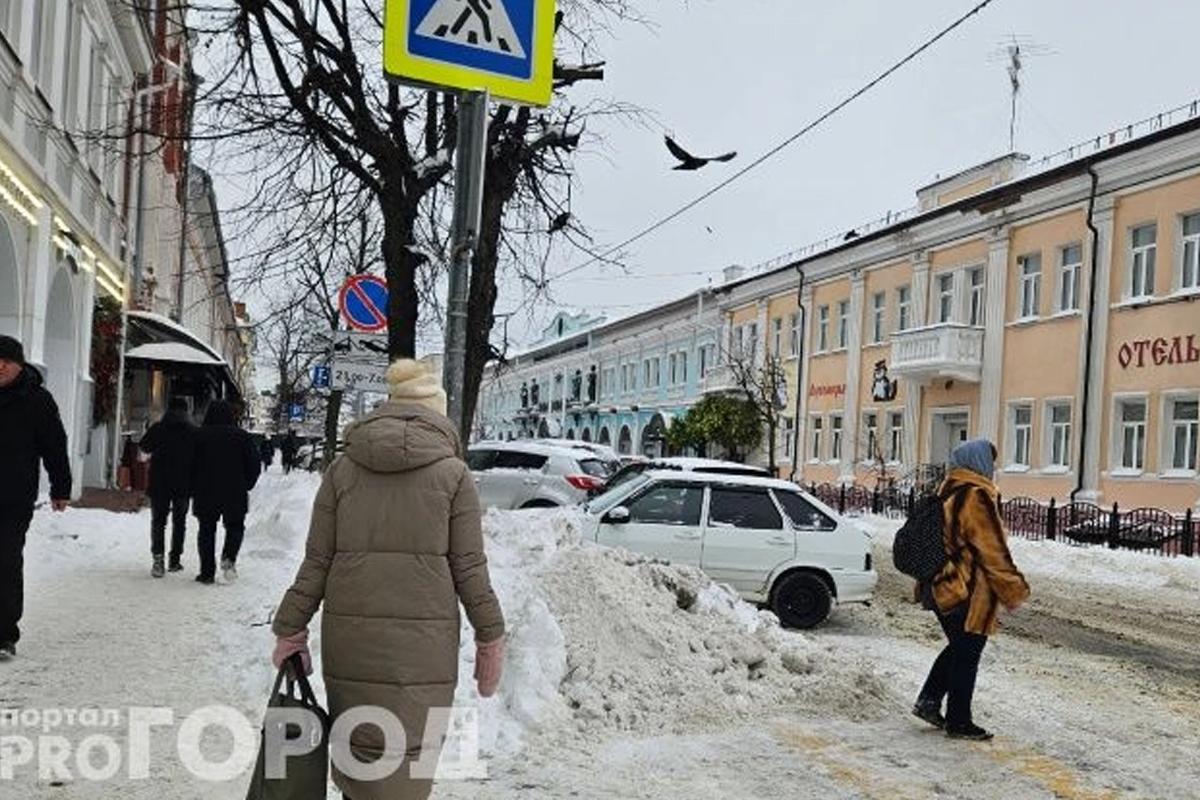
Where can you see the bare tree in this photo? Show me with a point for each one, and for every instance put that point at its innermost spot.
(763, 383)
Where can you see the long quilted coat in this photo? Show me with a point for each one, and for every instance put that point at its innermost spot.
(980, 570)
(394, 546)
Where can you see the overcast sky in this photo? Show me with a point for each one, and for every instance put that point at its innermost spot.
(745, 74)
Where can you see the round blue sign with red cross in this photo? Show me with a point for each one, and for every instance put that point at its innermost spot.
(363, 301)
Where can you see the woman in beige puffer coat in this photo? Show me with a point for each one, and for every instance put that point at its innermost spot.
(395, 545)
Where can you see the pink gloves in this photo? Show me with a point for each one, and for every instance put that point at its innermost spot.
(288, 646)
(489, 663)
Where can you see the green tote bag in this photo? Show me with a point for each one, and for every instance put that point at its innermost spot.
(307, 774)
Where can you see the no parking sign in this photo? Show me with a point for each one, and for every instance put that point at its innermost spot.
(363, 301)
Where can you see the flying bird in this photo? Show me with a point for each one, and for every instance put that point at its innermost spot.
(688, 162)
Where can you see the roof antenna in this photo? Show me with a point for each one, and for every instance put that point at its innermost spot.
(1013, 52)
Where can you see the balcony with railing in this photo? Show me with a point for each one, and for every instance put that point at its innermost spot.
(718, 379)
(946, 350)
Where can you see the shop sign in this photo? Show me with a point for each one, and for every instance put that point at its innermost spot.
(1159, 351)
(827, 390)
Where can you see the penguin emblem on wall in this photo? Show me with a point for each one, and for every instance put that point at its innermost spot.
(883, 388)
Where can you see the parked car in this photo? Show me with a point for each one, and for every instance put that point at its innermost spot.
(770, 541)
(706, 465)
(601, 451)
(530, 474)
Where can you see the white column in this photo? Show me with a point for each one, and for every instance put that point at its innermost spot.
(850, 412)
(913, 389)
(995, 315)
(802, 381)
(1102, 218)
(40, 260)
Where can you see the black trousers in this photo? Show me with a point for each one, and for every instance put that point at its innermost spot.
(14, 524)
(160, 509)
(952, 676)
(235, 530)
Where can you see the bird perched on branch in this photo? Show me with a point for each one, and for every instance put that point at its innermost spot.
(689, 162)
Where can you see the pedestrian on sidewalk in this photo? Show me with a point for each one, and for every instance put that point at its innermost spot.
(394, 546)
(979, 577)
(171, 445)
(30, 431)
(266, 451)
(288, 450)
(224, 471)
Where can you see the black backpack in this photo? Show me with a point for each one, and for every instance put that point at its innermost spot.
(919, 549)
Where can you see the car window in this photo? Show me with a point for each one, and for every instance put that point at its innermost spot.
(515, 459)
(743, 508)
(804, 514)
(481, 460)
(594, 467)
(613, 496)
(668, 504)
(625, 474)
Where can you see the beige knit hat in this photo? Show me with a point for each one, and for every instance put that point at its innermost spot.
(409, 381)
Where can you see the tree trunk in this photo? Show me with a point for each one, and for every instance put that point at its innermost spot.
(771, 426)
(400, 269)
(333, 409)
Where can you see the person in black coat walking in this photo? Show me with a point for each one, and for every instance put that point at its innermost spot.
(171, 444)
(30, 431)
(225, 470)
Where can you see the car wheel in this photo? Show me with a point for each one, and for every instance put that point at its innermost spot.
(801, 600)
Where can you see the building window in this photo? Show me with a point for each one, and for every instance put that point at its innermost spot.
(1144, 250)
(1058, 418)
(650, 373)
(752, 340)
(1184, 433)
(673, 369)
(843, 323)
(878, 306)
(945, 287)
(788, 431)
(1022, 434)
(683, 375)
(895, 437)
(1070, 268)
(975, 311)
(822, 329)
(794, 336)
(1132, 439)
(1031, 285)
(903, 308)
(706, 361)
(1189, 274)
(777, 336)
(835, 437)
(871, 437)
(815, 447)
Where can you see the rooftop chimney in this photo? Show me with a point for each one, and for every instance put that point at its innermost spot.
(733, 272)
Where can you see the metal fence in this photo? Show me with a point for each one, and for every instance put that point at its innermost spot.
(1144, 529)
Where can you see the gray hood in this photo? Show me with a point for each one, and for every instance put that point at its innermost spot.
(399, 437)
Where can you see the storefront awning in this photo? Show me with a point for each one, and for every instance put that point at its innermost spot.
(173, 352)
(161, 342)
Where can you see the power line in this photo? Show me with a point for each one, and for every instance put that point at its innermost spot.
(779, 147)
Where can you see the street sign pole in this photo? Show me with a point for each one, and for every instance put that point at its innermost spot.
(468, 205)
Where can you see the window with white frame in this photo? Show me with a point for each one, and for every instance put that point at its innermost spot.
(1058, 428)
(945, 295)
(822, 329)
(1143, 241)
(788, 433)
(1031, 285)
(975, 307)
(835, 437)
(1070, 267)
(738, 345)
(1021, 430)
(706, 359)
(672, 369)
(878, 309)
(1131, 434)
(1184, 430)
(751, 340)
(794, 336)
(843, 323)
(683, 366)
(903, 308)
(814, 451)
(871, 451)
(895, 437)
(1189, 272)
(624, 377)
(777, 336)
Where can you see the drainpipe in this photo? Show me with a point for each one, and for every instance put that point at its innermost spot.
(1089, 334)
(802, 322)
(185, 153)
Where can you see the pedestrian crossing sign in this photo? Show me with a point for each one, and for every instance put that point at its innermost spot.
(504, 47)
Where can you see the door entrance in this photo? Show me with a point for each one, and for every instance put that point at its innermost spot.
(949, 430)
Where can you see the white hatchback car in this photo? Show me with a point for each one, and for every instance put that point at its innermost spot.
(527, 474)
(774, 544)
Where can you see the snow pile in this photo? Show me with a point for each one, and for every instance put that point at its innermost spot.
(604, 641)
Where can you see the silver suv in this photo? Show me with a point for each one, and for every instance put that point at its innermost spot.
(513, 475)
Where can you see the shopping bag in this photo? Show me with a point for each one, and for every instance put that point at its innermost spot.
(293, 752)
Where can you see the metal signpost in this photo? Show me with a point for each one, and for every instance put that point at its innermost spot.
(498, 48)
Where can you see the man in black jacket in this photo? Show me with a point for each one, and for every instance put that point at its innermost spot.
(225, 470)
(171, 443)
(30, 431)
